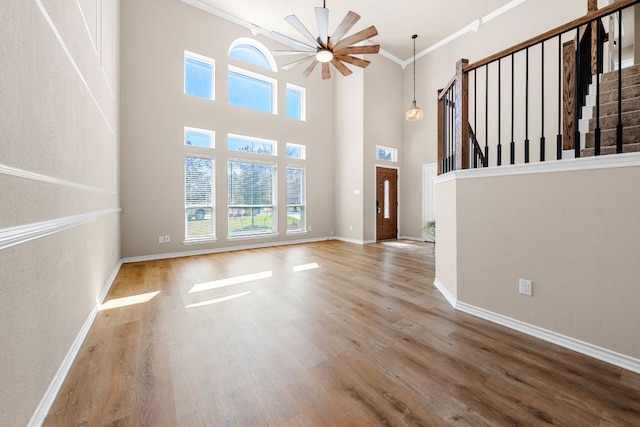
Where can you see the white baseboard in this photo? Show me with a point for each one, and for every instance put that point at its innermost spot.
(218, 250)
(609, 356)
(348, 240)
(41, 412)
(445, 292)
(603, 354)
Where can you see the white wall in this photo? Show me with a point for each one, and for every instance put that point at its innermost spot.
(58, 185)
(436, 69)
(155, 110)
(571, 232)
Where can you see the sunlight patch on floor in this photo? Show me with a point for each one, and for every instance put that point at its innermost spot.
(205, 286)
(127, 301)
(403, 245)
(217, 300)
(304, 267)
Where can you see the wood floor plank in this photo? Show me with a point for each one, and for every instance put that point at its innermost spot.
(359, 337)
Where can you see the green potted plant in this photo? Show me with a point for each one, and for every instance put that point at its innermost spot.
(429, 229)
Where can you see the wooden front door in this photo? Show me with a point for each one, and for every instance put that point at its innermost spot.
(386, 203)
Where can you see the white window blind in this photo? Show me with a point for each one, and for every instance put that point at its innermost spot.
(199, 198)
(251, 198)
(296, 215)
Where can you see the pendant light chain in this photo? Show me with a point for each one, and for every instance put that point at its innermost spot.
(415, 36)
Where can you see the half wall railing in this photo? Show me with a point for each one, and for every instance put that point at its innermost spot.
(544, 98)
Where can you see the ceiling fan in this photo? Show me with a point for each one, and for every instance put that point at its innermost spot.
(325, 49)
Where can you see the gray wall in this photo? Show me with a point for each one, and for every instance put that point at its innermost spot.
(155, 111)
(58, 174)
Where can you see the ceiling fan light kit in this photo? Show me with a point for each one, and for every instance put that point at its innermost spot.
(324, 49)
(414, 113)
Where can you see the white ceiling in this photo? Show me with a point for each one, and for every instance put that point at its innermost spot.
(396, 21)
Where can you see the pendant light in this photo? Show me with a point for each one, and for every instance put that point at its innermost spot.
(414, 113)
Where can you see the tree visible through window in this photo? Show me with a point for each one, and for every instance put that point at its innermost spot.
(251, 198)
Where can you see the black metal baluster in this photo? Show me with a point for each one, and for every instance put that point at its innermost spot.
(526, 107)
(619, 126)
(559, 136)
(499, 153)
(486, 117)
(597, 136)
(578, 100)
(542, 140)
(513, 143)
(475, 115)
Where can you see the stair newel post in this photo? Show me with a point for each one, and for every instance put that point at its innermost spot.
(542, 140)
(486, 118)
(619, 126)
(462, 115)
(440, 132)
(597, 74)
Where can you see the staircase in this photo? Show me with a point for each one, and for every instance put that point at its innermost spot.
(609, 113)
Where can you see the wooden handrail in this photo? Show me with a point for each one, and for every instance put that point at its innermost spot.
(443, 92)
(576, 23)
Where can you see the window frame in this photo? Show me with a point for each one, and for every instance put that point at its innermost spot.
(256, 44)
(212, 206)
(273, 143)
(394, 153)
(303, 205)
(200, 58)
(303, 101)
(203, 131)
(303, 151)
(274, 199)
(257, 76)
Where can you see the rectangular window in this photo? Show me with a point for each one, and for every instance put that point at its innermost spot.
(252, 90)
(246, 144)
(251, 198)
(198, 75)
(199, 137)
(295, 151)
(296, 215)
(296, 102)
(199, 198)
(386, 153)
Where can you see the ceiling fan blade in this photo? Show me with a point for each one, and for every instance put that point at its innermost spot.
(298, 25)
(291, 42)
(341, 67)
(352, 60)
(343, 28)
(326, 71)
(354, 50)
(289, 52)
(310, 68)
(298, 62)
(322, 16)
(365, 34)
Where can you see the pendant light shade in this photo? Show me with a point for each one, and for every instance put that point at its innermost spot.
(414, 113)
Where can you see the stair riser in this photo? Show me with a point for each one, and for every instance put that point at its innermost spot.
(629, 148)
(626, 72)
(627, 93)
(611, 108)
(613, 84)
(611, 121)
(609, 137)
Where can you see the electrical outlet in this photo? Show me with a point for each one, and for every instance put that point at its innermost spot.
(526, 287)
(309, 228)
(160, 239)
(167, 238)
(351, 228)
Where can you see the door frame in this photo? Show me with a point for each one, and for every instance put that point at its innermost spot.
(426, 189)
(375, 188)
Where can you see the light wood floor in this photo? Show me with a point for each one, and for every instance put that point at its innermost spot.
(364, 339)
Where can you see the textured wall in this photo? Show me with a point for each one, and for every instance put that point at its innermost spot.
(59, 215)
